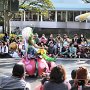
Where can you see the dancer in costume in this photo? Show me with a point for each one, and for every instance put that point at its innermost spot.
(34, 65)
(31, 47)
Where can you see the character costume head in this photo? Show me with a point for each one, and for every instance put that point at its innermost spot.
(27, 33)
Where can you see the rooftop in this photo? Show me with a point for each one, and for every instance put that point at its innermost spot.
(70, 5)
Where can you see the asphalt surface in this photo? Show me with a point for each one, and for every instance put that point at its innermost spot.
(70, 64)
(6, 66)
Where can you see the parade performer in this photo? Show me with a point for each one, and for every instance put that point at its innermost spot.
(31, 47)
(33, 64)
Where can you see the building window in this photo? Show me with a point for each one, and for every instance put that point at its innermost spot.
(63, 16)
(70, 16)
(58, 16)
(27, 15)
(17, 17)
(76, 13)
(50, 16)
(31, 16)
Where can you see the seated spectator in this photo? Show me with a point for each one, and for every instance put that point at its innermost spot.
(73, 76)
(13, 48)
(4, 50)
(6, 37)
(57, 80)
(43, 39)
(73, 50)
(45, 77)
(16, 81)
(51, 48)
(4, 47)
(81, 80)
(50, 39)
(59, 43)
(82, 40)
(65, 51)
(75, 39)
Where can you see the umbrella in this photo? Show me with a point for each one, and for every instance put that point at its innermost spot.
(82, 17)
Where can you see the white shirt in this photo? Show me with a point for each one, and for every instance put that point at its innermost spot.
(0, 49)
(15, 55)
(3, 49)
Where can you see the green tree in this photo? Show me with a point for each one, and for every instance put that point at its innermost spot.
(36, 5)
(86, 1)
(30, 5)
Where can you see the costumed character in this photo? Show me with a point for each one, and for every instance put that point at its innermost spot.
(13, 48)
(34, 66)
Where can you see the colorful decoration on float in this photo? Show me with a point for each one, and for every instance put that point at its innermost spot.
(45, 56)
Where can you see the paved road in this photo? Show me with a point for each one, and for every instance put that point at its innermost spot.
(6, 69)
(7, 64)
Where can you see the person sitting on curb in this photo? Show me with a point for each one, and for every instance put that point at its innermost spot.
(73, 76)
(81, 80)
(16, 81)
(57, 80)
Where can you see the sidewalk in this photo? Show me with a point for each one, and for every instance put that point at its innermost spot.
(6, 66)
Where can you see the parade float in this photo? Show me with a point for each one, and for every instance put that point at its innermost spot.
(35, 64)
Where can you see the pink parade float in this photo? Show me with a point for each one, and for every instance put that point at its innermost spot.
(35, 67)
(39, 64)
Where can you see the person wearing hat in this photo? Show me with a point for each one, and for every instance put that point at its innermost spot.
(16, 80)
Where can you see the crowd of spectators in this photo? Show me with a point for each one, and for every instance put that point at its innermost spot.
(76, 47)
(55, 80)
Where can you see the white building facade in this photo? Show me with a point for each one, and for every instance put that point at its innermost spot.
(62, 17)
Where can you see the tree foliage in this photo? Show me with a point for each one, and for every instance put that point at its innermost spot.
(86, 1)
(36, 5)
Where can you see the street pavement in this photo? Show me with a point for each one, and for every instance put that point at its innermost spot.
(6, 66)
